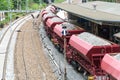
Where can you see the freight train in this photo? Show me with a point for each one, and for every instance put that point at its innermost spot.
(95, 57)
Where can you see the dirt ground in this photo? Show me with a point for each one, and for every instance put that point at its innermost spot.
(30, 62)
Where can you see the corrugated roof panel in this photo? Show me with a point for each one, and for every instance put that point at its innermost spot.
(88, 13)
(108, 7)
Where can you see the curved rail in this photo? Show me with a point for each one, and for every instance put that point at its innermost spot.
(37, 58)
(25, 30)
(8, 29)
(18, 22)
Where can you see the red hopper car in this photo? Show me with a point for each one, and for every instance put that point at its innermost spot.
(86, 52)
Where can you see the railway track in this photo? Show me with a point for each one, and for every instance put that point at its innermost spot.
(30, 62)
(5, 31)
(5, 42)
(37, 58)
(25, 30)
(25, 68)
(23, 57)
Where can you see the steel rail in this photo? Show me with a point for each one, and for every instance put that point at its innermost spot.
(37, 59)
(24, 63)
(9, 26)
(6, 56)
(23, 36)
(19, 11)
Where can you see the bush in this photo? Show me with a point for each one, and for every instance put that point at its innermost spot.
(59, 1)
(43, 5)
(34, 6)
(1, 24)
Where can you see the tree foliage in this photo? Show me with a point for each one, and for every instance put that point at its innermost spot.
(23, 4)
(6, 4)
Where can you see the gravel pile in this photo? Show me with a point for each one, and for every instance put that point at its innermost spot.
(92, 39)
(50, 14)
(117, 35)
(69, 26)
(117, 56)
(50, 8)
(56, 19)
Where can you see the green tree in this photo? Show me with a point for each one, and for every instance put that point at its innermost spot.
(6, 4)
(36, 1)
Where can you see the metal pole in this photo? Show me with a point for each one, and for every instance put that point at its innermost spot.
(26, 6)
(17, 4)
(10, 21)
(65, 74)
(10, 13)
(68, 1)
(39, 2)
(64, 32)
(20, 4)
(49, 2)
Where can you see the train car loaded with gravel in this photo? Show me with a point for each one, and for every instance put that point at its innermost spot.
(86, 51)
(58, 38)
(95, 57)
(111, 65)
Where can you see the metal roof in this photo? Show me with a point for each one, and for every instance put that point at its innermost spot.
(105, 12)
(110, 8)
